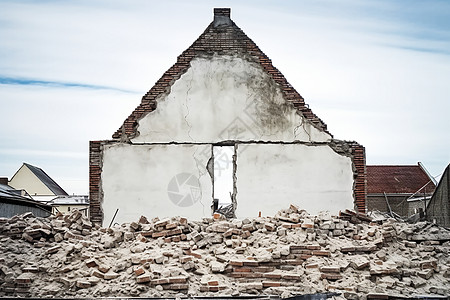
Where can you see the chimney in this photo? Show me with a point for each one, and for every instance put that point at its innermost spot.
(4, 180)
(222, 17)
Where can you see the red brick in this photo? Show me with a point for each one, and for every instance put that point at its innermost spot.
(236, 263)
(291, 276)
(250, 263)
(194, 254)
(144, 278)
(160, 281)
(139, 271)
(242, 270)
(272, 275)
(267, 284)
(179, 279)
(321, 253)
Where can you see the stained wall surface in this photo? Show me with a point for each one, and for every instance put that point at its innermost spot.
(224, 98)
(270, 176)
(155, 180)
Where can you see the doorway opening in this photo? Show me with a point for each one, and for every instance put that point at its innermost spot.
(224, 191)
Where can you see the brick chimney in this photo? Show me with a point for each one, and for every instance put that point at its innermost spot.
(4, 180)
(222, 17)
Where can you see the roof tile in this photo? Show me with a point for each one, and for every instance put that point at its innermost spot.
(398, 179)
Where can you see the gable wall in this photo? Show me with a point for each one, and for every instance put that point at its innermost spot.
(223, 90)
(25, 179)
(223, 98)
(281, 157)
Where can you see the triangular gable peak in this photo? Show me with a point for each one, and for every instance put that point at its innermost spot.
(35, 181)
(225, 41)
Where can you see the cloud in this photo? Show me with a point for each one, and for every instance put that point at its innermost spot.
(58, 84)
(72, 71)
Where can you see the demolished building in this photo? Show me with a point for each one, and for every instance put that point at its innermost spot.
(292, 254)
(223, 92)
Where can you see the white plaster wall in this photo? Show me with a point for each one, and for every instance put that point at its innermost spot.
(135, 180)
(225, 98)
(272, 176)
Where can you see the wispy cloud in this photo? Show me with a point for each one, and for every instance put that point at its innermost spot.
(45, 83)
(421, 49)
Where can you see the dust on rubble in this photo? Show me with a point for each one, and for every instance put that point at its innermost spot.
(292, 253)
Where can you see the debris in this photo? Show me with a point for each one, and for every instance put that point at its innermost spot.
(292, 253)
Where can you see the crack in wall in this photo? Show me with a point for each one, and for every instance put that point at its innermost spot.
(234, 195)
(199, 176)
(187, 106)
(210, 169)
(303, 125)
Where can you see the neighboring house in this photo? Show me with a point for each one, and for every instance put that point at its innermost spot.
(66, 204)
(223, 95)
(15, 202)
(404, 190)
(438, 209)
(37, 183)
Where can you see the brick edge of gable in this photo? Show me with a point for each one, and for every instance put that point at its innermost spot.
(148, 103)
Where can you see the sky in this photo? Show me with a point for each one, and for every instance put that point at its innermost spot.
(376, 72)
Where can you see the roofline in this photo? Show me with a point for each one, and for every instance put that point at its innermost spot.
(393, 194)
(391, 165)
(428, 173)
(71, 204)
(29, 165)
(23, 164)
(28, 201)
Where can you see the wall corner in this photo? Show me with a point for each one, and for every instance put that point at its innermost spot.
(95, 193)
(360, 183)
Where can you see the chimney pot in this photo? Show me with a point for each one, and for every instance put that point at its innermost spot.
(226, 12)
(4, 180)
(222, 17)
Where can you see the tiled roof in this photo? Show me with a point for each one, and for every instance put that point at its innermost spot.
(221, 37)
(398, 180)
(47, 180)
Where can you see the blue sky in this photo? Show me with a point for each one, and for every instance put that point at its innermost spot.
(377, 72)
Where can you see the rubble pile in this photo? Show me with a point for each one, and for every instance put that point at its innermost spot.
(292, 253)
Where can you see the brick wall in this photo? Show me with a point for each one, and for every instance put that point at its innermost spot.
(95, 168)
(360, 189)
